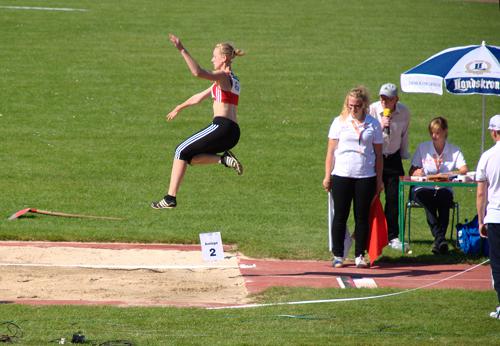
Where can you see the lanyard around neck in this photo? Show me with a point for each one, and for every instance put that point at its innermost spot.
(438, 161)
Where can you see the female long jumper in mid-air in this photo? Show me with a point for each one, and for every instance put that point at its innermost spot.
(222, 134)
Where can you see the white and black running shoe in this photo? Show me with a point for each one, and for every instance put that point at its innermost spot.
(166, 203)
(229, 160)
(338, 262)
(496, 314)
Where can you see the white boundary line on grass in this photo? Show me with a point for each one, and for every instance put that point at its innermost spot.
(44, 8)
(345, 299)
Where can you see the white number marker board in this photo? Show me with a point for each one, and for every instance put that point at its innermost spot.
(211, 246)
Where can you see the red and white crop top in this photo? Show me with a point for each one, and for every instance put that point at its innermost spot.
(223, 96)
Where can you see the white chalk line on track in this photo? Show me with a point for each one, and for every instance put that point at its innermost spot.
(329, 277)
(124, 267)
(44, 8)
(336, 300)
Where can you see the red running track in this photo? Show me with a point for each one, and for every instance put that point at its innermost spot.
(320, 274)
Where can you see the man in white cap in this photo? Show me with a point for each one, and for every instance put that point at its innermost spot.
(488, 203)
(394, 117)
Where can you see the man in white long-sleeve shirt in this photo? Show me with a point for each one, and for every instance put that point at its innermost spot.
(394, 117)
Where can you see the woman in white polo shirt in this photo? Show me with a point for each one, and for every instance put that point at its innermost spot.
(353, 171)
(434, 157)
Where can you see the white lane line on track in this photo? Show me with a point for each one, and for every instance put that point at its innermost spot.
(44, 8)
(302, 302)
(377, 279)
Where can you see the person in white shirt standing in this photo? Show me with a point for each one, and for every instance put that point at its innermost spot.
(488, 203)
(394, 117)
(435, 157)
(353, 172)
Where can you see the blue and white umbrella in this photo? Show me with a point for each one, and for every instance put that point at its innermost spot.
(464, 70)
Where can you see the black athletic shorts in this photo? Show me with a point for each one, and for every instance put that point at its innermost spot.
(221, 135)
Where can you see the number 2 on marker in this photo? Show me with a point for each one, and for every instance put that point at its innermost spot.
(212, 252)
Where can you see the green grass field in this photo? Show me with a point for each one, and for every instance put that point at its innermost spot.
(432, 317)
(82, 106)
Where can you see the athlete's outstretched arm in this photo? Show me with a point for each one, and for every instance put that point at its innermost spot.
(194, 67)
(193, 100)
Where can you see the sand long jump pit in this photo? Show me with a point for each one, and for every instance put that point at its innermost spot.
(117, 274)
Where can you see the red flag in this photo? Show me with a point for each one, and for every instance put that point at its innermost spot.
(378, 230)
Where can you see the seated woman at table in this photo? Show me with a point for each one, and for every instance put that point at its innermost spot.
(437, 157)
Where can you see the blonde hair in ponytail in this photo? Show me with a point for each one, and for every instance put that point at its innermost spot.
(228, 50)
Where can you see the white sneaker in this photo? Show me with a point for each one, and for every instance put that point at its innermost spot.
(360, 262)
(496, 313)
(338, 262)
(396, 244)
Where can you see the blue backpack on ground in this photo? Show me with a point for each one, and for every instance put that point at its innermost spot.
(469, 240)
